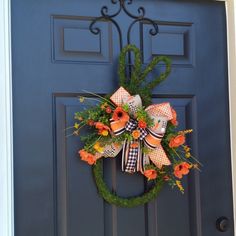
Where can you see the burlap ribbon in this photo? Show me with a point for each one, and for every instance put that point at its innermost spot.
(133, 159)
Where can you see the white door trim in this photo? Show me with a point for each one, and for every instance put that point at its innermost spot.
(231, 44)
(6, 143)
(6, 131)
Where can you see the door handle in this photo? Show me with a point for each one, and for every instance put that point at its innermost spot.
(222, 224)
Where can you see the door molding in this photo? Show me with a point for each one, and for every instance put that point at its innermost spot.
(6, 121)
(231, 45)
(6, 141)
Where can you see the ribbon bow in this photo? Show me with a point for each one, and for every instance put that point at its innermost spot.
(133, 159)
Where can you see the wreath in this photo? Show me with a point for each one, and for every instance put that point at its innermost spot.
(145, 133)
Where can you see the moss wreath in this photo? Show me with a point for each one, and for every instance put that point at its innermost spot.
(135, 85)
(113, 198)
(101, 117)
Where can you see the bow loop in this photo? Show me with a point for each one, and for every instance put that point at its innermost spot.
(117, 126)
(120, 96)
(134, 103)
(162, 109)
(160, 113)
(159, 157)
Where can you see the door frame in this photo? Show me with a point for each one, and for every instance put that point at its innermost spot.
(6, 120)
(6, 129)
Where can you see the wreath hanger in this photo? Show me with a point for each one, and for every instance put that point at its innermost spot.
(123, 6)
(136, 18)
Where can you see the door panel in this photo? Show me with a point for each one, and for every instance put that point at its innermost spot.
(55, 57)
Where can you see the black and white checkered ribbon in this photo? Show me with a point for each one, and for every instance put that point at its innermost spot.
(131, 154)
(132, 125)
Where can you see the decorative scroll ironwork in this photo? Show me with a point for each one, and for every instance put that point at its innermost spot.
(139, 18)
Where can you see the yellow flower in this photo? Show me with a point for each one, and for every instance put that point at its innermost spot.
(187, 131)
(186, 149)
(104, 132)
(187, 155)
(81, 99)
(76, 125)
(179, 185)
(103, 106)
(98, 147)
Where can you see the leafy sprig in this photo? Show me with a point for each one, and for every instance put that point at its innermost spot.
(142, 115)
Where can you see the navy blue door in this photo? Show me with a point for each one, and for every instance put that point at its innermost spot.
(55, 56)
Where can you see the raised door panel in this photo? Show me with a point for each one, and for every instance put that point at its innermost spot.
(75, 185)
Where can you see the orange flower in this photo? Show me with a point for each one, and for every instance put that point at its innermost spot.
(108, 110)
(120, 114)
(177, 141)
(134, 145)
(136, 134)
(100, 126)
(150, 174)
(142, 124)
(102, 129)
(90, 122)
(181, 169)
(174, 119)
(87, 157)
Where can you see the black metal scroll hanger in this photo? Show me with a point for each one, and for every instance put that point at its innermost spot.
(140, 18)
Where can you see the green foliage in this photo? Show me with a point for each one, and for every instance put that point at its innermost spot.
(113, 198)
(143, 115)
(125, 107)
(137, 84)
(151, 167)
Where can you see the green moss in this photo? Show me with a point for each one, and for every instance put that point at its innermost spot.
(137, 83)
(114, 199)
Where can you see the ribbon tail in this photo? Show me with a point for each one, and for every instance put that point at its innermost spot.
(130, 156)
(124, 150)
(159, 157)
(143, 161)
